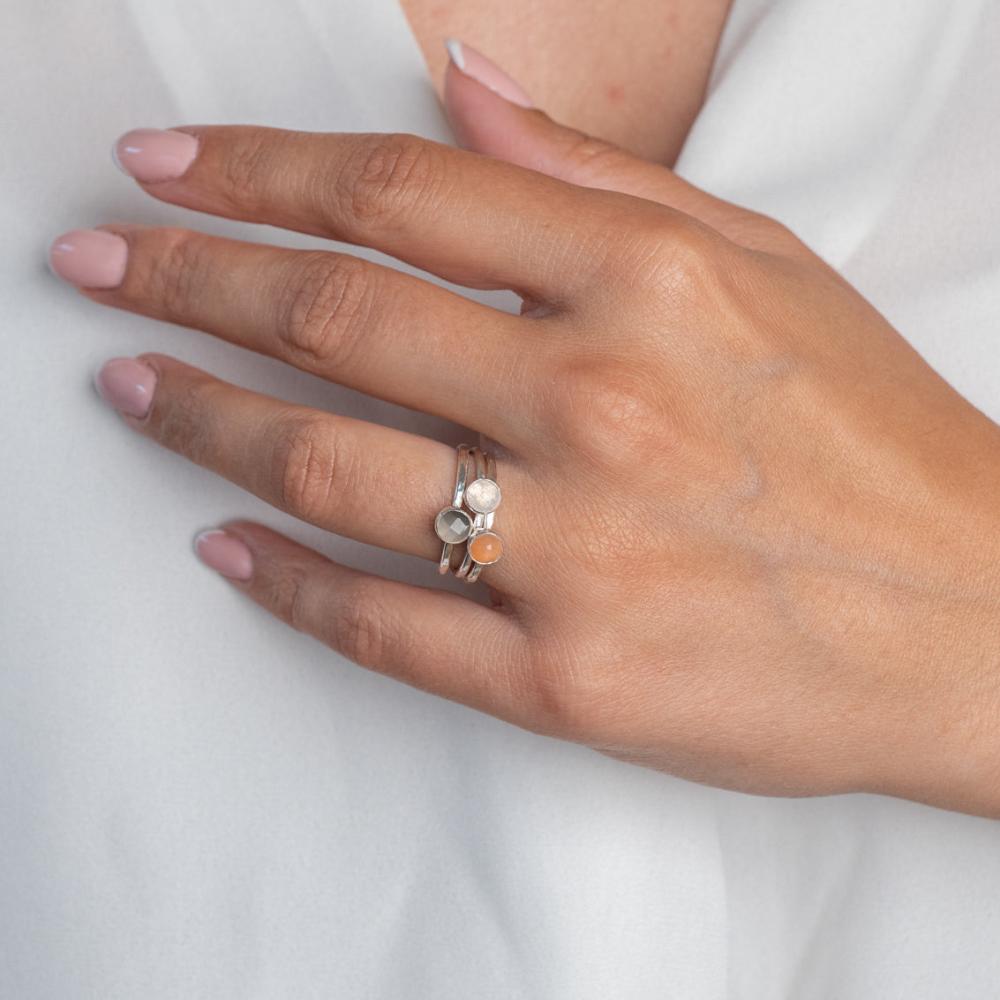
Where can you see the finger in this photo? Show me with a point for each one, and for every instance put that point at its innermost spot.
(430, 639)
(489, 113)
(366, 326)
(371, 483)
(468, 218)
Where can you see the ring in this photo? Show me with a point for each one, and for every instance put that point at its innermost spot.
(482, 496)
(453, 525)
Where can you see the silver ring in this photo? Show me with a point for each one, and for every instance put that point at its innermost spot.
(453, 524)
(482, 496)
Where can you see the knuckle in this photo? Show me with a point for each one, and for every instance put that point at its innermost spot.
(566, 694)
(559, 710)
(180, 419)
(387, 178)
(590, 160)
(610, 412)
(169, 280)
(362, 625)
(670, 259)
(286, 596)
(307, 467)
(246, 168)
(328, 310)
(772, 233)
(766, 223)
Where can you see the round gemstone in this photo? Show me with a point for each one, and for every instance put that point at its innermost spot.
(452, 525)
(485, 548)
(482, 496)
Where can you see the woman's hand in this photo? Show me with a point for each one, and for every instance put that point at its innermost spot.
(750, 533)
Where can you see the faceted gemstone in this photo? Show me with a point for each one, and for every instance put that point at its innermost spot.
(485, 547)
(452, 525)
(482, 496)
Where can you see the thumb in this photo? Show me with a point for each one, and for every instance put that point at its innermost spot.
(490, 113)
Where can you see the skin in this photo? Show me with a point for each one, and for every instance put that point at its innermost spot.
(751, 534)
(633, 73)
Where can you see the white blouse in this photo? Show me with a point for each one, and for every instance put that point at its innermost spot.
(198, 802)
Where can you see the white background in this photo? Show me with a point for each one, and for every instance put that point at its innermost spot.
(196, 802)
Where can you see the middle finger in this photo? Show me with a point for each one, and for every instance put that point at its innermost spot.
(363, 325)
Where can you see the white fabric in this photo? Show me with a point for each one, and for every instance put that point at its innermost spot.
(199, 803)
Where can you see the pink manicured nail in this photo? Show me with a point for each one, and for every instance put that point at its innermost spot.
(224, 553)
(127, 385)
(154, 154)
(90, 258)
(475, 64)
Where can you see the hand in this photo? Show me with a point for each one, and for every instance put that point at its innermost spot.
(750, 533)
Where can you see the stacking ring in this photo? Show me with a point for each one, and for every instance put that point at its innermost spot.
(482, 496)
(453, 525)
(469, 517)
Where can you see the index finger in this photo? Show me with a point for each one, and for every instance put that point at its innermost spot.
(468, 218)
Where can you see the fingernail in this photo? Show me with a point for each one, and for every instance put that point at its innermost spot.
(154, 154)
(89, 258)
(224, 553)
(472, 63)
(127, 385)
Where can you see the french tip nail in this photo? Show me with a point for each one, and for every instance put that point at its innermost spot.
(225, 553)
(115, 160)
(200, 536)
(151, 155)
(455, 53)
(48, 262)
(483, 70)
(127, 385)
(95, 383)
(89, 258)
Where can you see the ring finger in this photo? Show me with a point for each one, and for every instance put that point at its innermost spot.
(362, 480)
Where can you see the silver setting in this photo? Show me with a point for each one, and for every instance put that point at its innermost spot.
(453, 525)
(486, 562)
(482, 496)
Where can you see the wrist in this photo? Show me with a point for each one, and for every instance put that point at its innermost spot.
(944, 748)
